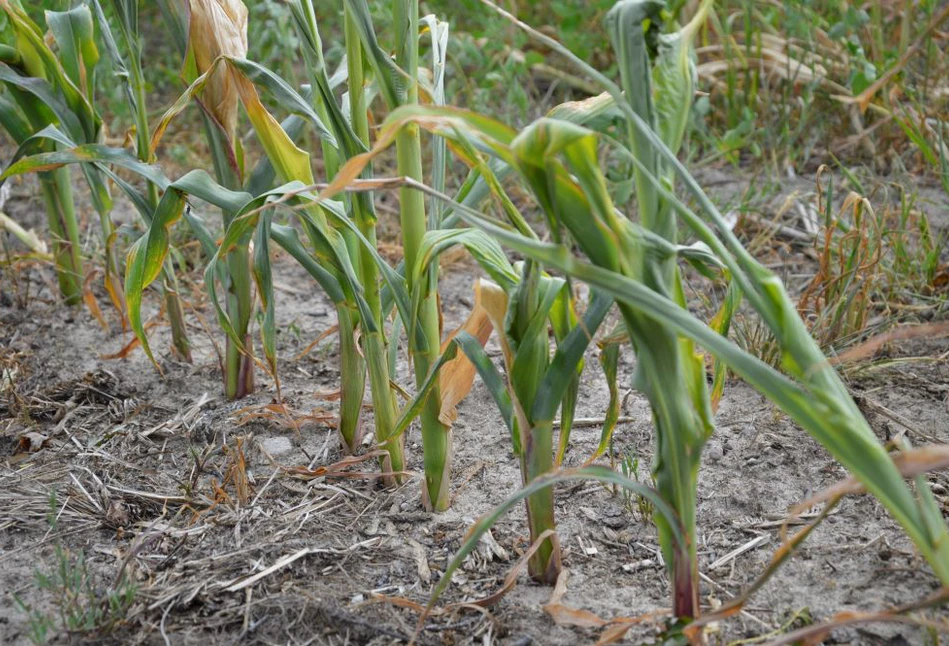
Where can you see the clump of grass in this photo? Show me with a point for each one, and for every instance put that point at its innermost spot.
(837, 302)
(876, 268)
(635, 503)
(791, 82)
(81, 607)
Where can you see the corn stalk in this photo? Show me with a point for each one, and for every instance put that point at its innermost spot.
(669, 371)
(352, 359)
(537, 385)
(128, 67)
(397, 79)
(43, 94)
(204, 30)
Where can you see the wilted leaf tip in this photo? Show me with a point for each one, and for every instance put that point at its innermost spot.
(219, 28)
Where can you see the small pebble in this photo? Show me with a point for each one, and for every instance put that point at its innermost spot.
(714, 451)
(275, 446)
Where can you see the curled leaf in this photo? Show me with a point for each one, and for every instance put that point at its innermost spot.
(219, 28)
(457, 376)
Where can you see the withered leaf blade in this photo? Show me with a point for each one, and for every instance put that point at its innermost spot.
(457, 376)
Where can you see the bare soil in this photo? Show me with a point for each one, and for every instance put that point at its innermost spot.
(142, 468)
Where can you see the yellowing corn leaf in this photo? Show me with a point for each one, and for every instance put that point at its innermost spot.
(457, 376)
(219, 28)
(290, 162)
(494, 301)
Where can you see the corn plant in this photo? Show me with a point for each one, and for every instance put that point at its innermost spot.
(436, 436)
(42, 92)
(352, 135)
(635, 263)
(397, 81)
(537, 385)
(203, 31)
(127, 66)
(75, 134)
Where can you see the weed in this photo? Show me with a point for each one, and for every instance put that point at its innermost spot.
(79, 605)
(635, 503)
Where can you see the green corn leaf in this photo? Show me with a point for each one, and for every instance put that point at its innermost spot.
(98, 154)
(391, 80)
(41, 64)
(599, 109)
(721, 323)
(563, 320)
(200, 231)
(492, 380)
(570, 351)
(289, 240)
(561, 198)
(349, 144)
(627, 23)
(10, 56)
(609, 362)
(47, 103)
(13, 121)
(101, 156)
(74, 32)
(147, 256)
(484, 249)
(201, 185)
(414, 408)
(336, 212)
(285, 95)
(263, 277)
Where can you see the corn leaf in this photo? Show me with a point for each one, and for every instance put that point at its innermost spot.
(74, 33)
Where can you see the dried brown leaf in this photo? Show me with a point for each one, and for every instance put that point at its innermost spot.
(31, 442)
(457, 376)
